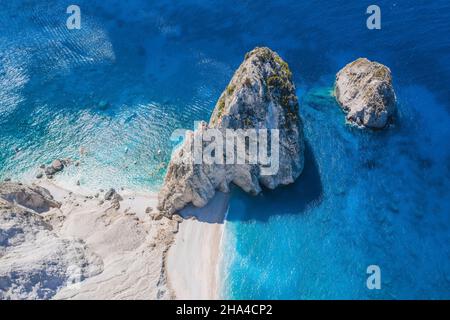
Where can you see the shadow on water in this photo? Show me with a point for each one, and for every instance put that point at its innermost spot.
(293, 199)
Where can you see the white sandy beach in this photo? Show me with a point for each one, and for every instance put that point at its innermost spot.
(190, 266)
(193, 259)
(126, 253)
(130, 245)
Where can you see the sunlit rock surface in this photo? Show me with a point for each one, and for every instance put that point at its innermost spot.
(364, 90)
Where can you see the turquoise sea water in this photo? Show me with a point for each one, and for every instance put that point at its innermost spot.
(364, 198)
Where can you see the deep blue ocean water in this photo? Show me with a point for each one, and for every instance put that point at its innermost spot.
(364, 197)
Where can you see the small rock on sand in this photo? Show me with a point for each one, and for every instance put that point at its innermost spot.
(117, 197)
(109, 194)
(39, 175)
(148, 209)
(49, 171)
(57, 165)
(177, 218)
(157, 216)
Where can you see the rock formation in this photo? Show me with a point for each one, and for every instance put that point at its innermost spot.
(55, 167)
(35, 262)
(261, 95)
(33, 198)
(73, 249)
(364, 90)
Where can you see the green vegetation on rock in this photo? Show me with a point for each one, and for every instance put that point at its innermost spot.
(381, 73)
(280, 87)
(220, 108)
(230, 89)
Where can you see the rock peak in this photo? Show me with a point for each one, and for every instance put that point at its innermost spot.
(260, 95)
(265, 74)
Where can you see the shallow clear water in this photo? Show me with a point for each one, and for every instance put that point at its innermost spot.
(364, 197)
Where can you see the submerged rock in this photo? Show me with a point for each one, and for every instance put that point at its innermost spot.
(112, 195)
(103, 105)
(364, 90)
(56, 166)
(261, 95)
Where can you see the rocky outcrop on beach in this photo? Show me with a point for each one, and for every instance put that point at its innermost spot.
(364, 90)
(33, 198)
(56, 244)
(56, 166)
(35, 262)
(261, 95)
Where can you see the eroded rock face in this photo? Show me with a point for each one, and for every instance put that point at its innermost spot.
(364, 90)
(35, 198)
(261, 95)
(35, 262)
